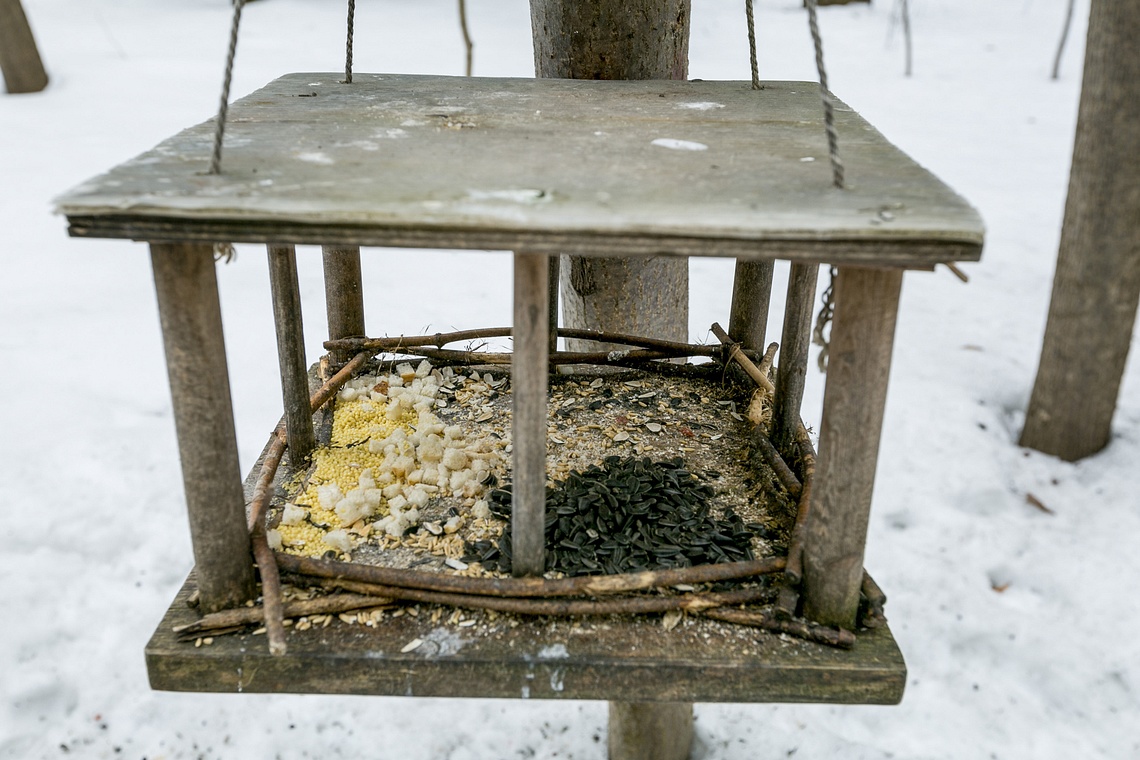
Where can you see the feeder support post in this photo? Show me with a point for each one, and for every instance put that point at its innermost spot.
(191, 317)
(751, 297)
(862, 338)
(288, 324)
(529, 380)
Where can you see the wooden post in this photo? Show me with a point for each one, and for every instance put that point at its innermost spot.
(862, 336)
(552, 300)
(291, 352)
(344, 295)
(191, 316)
(794, 345)
(19, 58)
(529, 379)
(650, 730)
(751, 297)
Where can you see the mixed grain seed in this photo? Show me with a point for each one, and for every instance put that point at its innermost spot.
(417, 474)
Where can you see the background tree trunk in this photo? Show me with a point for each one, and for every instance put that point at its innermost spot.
(1097, 284)
(618, 39)
(19, 58)
(623, 39)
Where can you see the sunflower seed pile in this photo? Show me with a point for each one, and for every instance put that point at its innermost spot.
(628, 515)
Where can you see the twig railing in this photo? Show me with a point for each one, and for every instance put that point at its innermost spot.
(374, 586)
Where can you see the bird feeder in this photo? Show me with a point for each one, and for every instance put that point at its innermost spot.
(538, 168)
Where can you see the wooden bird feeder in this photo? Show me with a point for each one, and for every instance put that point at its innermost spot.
(537, 167)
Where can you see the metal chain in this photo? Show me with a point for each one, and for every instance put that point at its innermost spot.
(752, 44)
(825, 93)
(826, 312)
(827, 308)
(220, 122)
(348, 43)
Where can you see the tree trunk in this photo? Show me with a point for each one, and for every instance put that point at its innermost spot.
(618, 39)
(623, 39)
(19, 59)
(1097, 284)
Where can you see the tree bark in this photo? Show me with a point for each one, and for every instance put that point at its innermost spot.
(19, 58)
(612, 39)
(1096, 287)
(623, 39)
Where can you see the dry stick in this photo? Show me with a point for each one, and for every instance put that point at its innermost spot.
(788, 601)
(873, 615)
(259, 506)
(439, 340)
(957, 272)
(555, 357)
(589, 585)
(795, 569)
(765, 365)
(773, 459)
(822, 634)
(761, 379)
(626, 605)
(737, 355)
(243, 616)
(262, 554)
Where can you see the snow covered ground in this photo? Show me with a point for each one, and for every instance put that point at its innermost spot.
(93, 529)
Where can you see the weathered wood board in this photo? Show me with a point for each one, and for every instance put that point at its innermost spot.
(595, 168)
(611, 657)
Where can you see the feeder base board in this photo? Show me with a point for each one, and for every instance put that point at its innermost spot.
(623, 658)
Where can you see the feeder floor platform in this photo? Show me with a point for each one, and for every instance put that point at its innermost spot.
(622, 658)
(582, 167)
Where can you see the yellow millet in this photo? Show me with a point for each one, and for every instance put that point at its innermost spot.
(342, 463)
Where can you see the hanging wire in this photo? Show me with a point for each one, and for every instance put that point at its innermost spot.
(1064, 39)
(348, 43)
(467, 42)
(751, 43)
(223, 108)
(825, 93)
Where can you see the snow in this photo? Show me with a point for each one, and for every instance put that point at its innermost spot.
(95, 540)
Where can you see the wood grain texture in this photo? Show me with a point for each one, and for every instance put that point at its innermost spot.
(289, 327)
(187, 289)
(751, 298)
(862, 337)
(795, 342)
(20, 60)
(529, 381)
(650, 730)
(344, 294)
(615, 658)
(537, 164)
